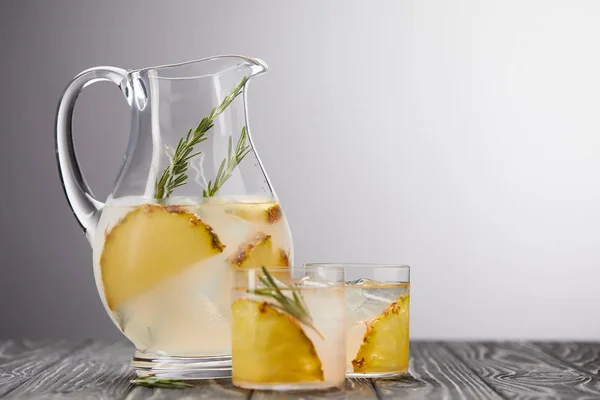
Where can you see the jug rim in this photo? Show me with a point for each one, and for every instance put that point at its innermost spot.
(259, 66)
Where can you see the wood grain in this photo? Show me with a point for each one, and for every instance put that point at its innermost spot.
(458, 370)
(207, 389)
(435, 374)
(97, 371)
(522, 371)
(584, 356)
(22, 360)
(355, 389)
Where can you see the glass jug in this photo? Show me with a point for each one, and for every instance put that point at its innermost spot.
(192, 201)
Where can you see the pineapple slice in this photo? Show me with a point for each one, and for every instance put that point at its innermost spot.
(257, 252)
(385, 344)
(269, 213)
(270, 347)
(150, 244)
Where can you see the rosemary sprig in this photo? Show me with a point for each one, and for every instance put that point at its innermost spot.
(295, 306)
(175, 174)
(153, 382)
(228, 164)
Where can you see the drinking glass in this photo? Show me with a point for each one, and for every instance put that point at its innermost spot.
(378, 316)
(288, 328)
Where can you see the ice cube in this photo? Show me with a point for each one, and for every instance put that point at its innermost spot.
(232, 230)
(381, 295)
(354, 299)
(309, 283)
(366, 299)
(378, 291)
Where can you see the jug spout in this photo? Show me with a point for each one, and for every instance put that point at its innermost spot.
(212, 67)
(259, 67)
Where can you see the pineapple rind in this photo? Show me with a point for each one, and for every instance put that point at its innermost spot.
(269, 213)
(258, 251)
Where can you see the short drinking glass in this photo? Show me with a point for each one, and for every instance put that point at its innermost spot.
(377, 325)
(288, 328)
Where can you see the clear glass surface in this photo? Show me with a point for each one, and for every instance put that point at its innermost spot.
(378, 319)
(191, 201)
(288, 327)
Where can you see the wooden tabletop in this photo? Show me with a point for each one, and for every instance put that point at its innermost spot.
(439, 370)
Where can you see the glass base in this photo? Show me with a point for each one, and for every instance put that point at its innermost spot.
(181, 367)
(394, 374)
(285, 387)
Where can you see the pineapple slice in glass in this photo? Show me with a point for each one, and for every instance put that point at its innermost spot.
(385, 344)
(270, 347)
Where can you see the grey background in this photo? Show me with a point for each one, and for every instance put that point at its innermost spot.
(460, 137)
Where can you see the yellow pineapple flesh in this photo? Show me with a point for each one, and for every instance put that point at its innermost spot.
(258, 251)
(270, 347)
(268, 212)
(150, 244)
(385, 343)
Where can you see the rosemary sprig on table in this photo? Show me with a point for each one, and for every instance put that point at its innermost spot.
(228, 164)
(294, 306)
(175, 174)
(153, 382)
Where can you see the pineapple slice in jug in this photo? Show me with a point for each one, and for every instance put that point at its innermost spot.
(150, 244)
(258, 251)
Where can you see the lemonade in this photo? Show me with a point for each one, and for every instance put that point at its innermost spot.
(163, 270)
(377, 328)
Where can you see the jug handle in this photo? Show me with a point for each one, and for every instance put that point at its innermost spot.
(84, 205)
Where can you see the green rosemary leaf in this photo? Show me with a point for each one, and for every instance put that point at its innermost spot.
(188, 157)
(220, 171)
(229, 163)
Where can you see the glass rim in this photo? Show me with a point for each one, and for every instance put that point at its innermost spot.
(259, 65)
(358, 265)
(283, 269)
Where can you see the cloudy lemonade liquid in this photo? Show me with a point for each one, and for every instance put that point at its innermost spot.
(163, 270)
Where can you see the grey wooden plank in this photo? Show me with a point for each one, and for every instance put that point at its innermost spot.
(584, 356)
(97, 371)
(355, 389)
(22, 360)
(435, 374)
(205, 389)
(522, 371)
